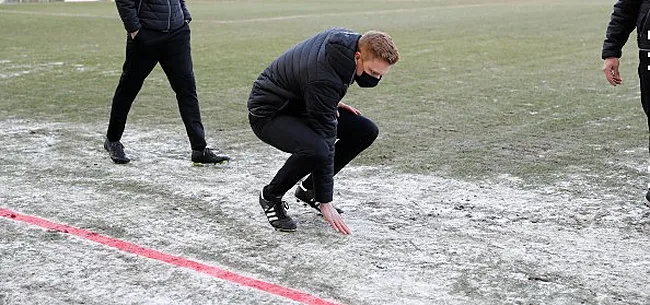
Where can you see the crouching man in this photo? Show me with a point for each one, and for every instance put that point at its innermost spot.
(295, 106)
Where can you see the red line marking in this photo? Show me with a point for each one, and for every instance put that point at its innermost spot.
(170, 259)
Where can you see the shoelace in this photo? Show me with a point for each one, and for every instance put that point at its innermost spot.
(117, 145)
(284, 206)
(208, 151)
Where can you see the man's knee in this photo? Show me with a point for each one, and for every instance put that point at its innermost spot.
(368, 132)
(317, 152)
(374, 131)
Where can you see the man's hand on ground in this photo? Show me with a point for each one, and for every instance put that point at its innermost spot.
(333, 218)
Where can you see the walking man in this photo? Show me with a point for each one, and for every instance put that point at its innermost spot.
(295, 106)
(628, 15)
(157, 32)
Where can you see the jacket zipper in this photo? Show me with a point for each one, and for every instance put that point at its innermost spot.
(169, 15)
(640, 34)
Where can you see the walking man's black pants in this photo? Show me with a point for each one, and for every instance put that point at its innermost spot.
(291, 134)
(644, 77)
(172, 51)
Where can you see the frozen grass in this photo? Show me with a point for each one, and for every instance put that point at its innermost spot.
(506, 171)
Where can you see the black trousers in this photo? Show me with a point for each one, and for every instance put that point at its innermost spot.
(644, 77)
(172, 51)
(291, 134)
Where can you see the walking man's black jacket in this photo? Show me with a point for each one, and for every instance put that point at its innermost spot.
(159, 15)
(627, 15)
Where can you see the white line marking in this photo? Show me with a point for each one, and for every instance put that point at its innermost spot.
(57, 14)
(283, 18)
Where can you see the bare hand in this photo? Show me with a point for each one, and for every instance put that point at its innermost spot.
(333, 218)
(348, 108)
(610, 68)
(133, 34)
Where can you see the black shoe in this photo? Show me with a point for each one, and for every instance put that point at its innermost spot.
(647, 197)
(116, 151)
(207, 156)
(276, 213)
(307, 196)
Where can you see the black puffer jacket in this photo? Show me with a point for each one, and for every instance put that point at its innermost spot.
(627, 15)
(309, 80)
(159, 15)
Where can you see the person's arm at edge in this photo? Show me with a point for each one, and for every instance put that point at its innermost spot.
(621, 24)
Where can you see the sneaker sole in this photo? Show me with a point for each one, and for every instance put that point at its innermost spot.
(210, 164)
(285, 230)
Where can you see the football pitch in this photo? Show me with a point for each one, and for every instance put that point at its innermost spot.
(507, 169)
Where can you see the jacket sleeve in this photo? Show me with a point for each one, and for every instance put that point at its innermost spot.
(128, 10)
(321, 102)
(186, 13)
(621, 24)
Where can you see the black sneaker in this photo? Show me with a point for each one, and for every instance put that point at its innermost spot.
(207, 156)
(276, 213)
(116, 151)
(307, 196)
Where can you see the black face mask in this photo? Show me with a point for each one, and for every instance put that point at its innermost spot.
(366, 80)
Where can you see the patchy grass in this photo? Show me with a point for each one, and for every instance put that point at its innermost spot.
(484, 88)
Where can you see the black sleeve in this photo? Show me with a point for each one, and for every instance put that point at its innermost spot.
(621, 24)
(128, 11)
(186, 13)
(321, 102)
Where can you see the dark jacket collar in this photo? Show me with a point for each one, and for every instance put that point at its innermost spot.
(340, 47)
